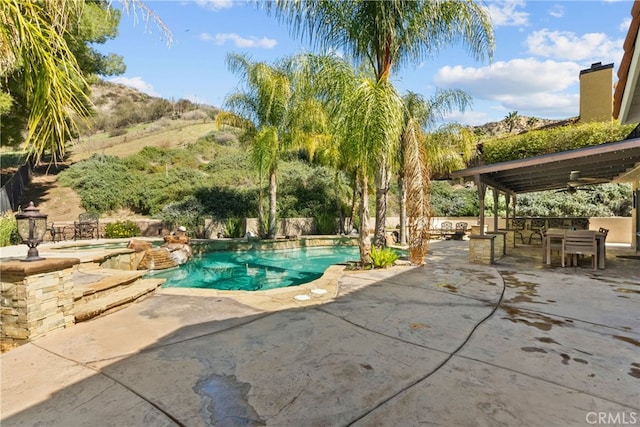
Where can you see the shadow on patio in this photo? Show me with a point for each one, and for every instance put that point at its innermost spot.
(515, 343)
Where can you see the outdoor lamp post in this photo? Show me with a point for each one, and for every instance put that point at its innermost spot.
(31, 228)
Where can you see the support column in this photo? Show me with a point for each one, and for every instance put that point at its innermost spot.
(495, 209)
(37, 297)
(482, 191)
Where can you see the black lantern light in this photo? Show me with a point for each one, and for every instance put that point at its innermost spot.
(31, 228)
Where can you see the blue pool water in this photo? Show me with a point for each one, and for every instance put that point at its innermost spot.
(257, 270)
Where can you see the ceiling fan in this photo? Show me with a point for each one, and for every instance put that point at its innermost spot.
(577, 183)
(576, 179)
(572, 188)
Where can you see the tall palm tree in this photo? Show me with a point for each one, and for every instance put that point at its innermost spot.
(363, 116)
(260, 111)
(275, 116)
(385, 35)
(421, 114)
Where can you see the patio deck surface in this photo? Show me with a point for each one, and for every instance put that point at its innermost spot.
(516, 343)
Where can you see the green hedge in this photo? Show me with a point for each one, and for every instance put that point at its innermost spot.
(553, 140)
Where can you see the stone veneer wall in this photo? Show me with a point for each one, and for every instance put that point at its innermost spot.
(500, 243)
(37, 297)
(481, 248)
(510, 239)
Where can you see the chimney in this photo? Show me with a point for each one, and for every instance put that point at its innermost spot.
(596, 93)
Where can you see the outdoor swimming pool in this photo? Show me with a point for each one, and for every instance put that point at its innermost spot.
(257, 270)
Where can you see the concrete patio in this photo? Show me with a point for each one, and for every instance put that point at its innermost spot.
(517, 343)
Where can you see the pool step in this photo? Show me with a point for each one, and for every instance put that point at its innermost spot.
(99, 291)
(116, 300)
(98, 282)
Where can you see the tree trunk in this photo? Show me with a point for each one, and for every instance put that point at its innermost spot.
(382, 188)
(365, 243)
(354, 198)
(402, 187)
(273, 186)
(338, 204)
(261, 231)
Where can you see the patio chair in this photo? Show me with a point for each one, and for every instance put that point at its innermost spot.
(556, 223)
(58, 233)
(87, 226)
(553, 242)
(517, 225)
(537, 228)
(580, 224)
(580, 242)
(461, 229)
(604, 231)
(446, 229)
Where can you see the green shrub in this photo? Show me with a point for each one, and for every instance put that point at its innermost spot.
(121, 229)
(383, 258)
(233, 227)
(189, 213)
(325, 223)
(8, 230)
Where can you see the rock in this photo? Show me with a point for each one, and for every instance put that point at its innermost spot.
(139, 245)
(182, 239)
(168, 256)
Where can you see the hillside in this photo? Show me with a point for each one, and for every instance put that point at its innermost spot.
(127, 121)
(181, 124)
(521, 124)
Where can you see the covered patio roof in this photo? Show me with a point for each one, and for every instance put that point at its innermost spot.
(609, 162)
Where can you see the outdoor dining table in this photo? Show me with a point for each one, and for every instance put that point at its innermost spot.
(557, 235)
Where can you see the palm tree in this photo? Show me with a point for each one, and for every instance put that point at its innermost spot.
(384, 35)
(414, 172)
(275, 116)
(32, 42)
(260, 112)
(363, 116)
(510, 119)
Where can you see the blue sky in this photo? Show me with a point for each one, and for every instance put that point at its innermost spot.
(541, 46)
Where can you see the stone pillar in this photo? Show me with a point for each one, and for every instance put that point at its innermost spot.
(510, 239)
(481, 248)
(500, 245)
(37, 297)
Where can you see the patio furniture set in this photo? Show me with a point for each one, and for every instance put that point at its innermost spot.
(448, 231)
(86, 227)
(574, 243)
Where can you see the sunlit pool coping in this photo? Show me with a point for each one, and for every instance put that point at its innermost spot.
(273, 299)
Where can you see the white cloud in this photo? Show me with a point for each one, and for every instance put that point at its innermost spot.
(566, 45)
(239, 41)
(468, 118)
(524, 76)
(215, 4)
(541, 88)
(624, 25)
(505, 13)
(556, 11)
(136, 83)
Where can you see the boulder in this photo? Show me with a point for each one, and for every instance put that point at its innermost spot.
(139, 245)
